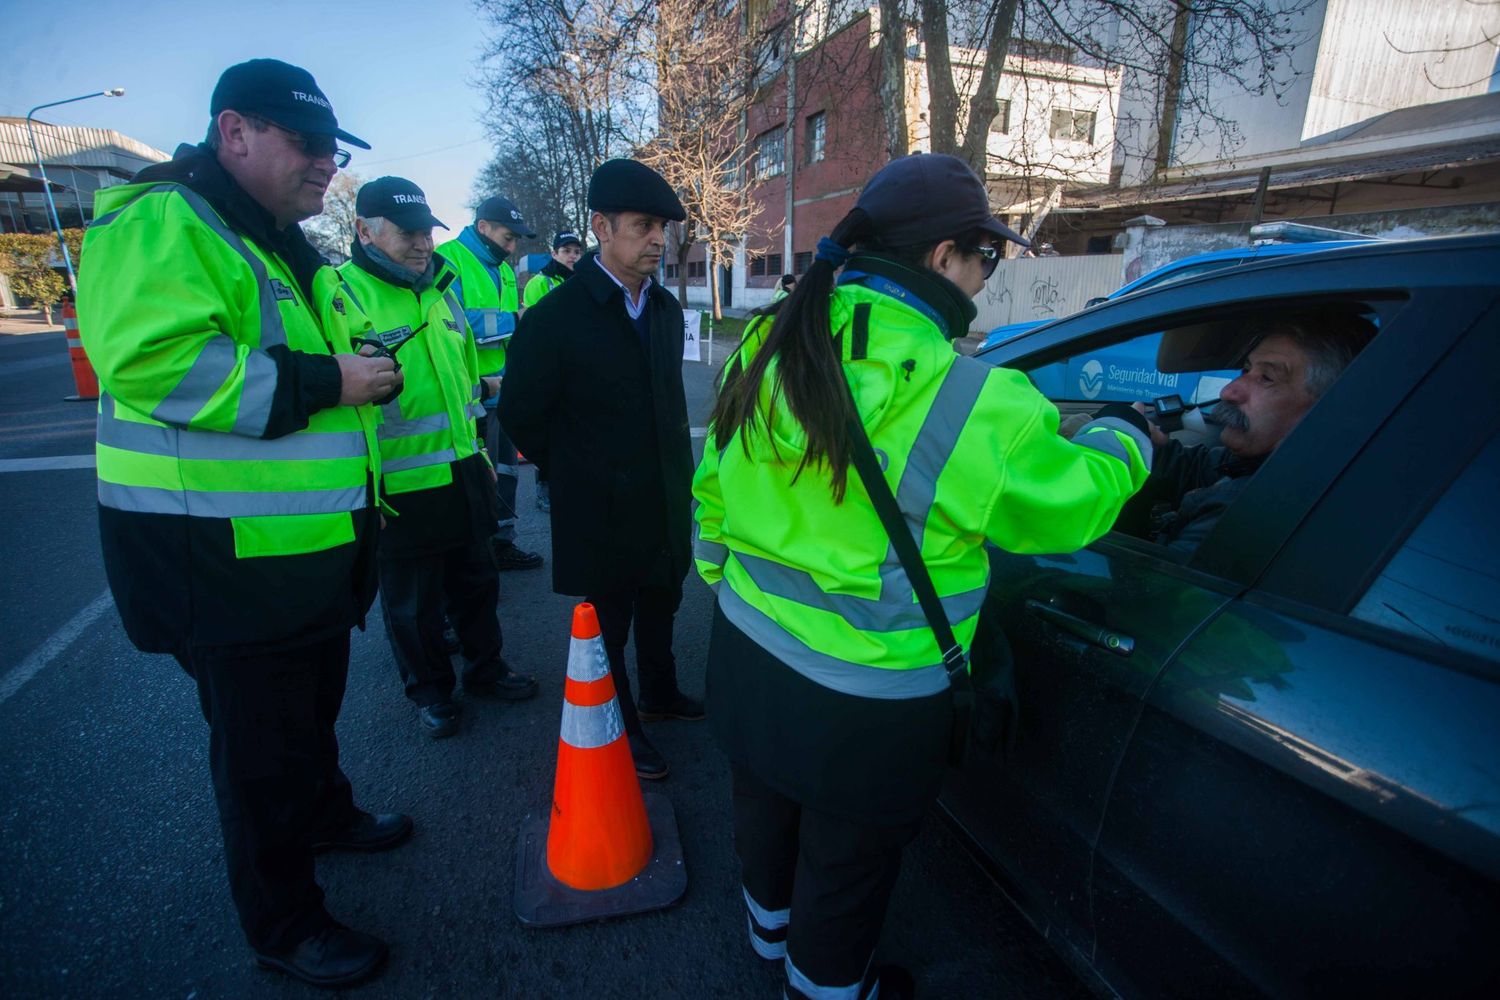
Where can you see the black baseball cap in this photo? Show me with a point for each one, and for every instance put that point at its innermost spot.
(930, 196)
(279, 92)
(505, 212)
(397, 199)
(562, 239)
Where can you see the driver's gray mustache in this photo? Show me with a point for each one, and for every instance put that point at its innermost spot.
(1226, 414)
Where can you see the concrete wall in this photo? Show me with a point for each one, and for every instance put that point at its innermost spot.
(1044, 288)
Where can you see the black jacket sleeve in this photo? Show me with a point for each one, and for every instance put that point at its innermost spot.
(305, 384)
(530, 389)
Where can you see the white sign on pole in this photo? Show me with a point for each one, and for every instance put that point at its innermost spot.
(691, 333)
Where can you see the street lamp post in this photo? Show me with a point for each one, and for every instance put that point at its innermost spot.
(47, 185)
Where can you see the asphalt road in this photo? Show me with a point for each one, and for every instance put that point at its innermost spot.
(111, 866)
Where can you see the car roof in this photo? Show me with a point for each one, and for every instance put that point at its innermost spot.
(1341, 269)
(1254, 251)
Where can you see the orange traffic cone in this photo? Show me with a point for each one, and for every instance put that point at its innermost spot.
(83, 372)
(608, 850)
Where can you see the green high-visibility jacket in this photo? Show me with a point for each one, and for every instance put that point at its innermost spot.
(431, 424)
(235, 498)
(537, 287)
(488, 295)
(176, 311)
(971, 453)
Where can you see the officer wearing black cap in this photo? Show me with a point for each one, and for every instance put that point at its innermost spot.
(435, 473)
(596, 401)
(236, 453)
(486, 286)
(829, 688)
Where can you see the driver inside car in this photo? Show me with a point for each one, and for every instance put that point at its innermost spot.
(1291, 365)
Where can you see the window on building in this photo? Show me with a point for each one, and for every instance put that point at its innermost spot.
(1001, 121)
(670, 271)
(1073, 126)
(773, 265)
(757, 267)
(817, 134)
(801, 261)
(770, 154)
(695, 269)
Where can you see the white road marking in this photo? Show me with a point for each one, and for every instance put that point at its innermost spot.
(55, 646)
(698, 432)
(46, 464)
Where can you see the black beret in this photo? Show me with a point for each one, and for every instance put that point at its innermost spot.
(631, 186)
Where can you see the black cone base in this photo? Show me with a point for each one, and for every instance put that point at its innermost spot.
(543, 901)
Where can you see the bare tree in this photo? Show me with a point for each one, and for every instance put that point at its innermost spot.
(704, 67)
(332, 233)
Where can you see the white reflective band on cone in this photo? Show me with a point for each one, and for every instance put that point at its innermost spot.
(587, 660)
(591, 727)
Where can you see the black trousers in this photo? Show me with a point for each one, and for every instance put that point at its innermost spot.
(650, 609)
(275, 764)
(816, 887)
(507, 475)
(415, 591)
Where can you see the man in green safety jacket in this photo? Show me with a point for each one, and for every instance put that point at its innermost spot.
(436, 476)
(237, 464)
(567, 249)
(486, 288)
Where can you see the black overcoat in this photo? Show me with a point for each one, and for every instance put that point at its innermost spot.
(607, 423)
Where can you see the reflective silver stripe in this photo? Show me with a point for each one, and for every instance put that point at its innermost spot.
(769, 919)
(476, 391)
(406, 462)
(477, 410)
(771, 951)
(710, 552)
(587, 660)
(457, 310)
(1096, 435)
(257, 389)
(797, 980)
(400, 428)
(488, 329)
(147, 439)
(272, 331)
(829, 671)
(352, 297)
(587, 727)
(70, 323)
(864, 613)
(154, 500)
(75, 342)
(934, 445)
(209, 371)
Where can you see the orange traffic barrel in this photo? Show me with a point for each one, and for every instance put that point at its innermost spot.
(83, 372)
(605, 849)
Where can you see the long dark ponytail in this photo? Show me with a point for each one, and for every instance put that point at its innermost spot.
(809, 372)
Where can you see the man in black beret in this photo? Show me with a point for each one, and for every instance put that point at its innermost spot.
(594, 397)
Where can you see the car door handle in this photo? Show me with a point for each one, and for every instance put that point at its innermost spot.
(1114, 642)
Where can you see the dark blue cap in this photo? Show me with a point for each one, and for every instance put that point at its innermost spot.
(505, 212)
(631, 186)
(397, 199)
(279, 92)
(926, 197)
(564, 238)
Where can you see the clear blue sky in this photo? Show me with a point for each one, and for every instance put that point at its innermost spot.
(397, 74)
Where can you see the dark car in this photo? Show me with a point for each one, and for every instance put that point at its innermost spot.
(1270, 765)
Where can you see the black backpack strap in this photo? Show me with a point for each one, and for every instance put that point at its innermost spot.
(955, 659)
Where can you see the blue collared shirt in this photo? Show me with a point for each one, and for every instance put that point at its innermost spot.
(632, 309)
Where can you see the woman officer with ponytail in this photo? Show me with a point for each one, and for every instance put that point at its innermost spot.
(825, 685)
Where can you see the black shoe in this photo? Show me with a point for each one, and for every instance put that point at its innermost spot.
(508, 686)
(438, 720)
(896, 983)
(649, 764)
(680, 707)
(451, 645)
(335, 956)
(508, 557)
(368, 832)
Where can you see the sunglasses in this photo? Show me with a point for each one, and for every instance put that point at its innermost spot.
(991, 255)
(313, 146)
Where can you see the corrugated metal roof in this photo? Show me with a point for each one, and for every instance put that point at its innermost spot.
(1421, 118)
